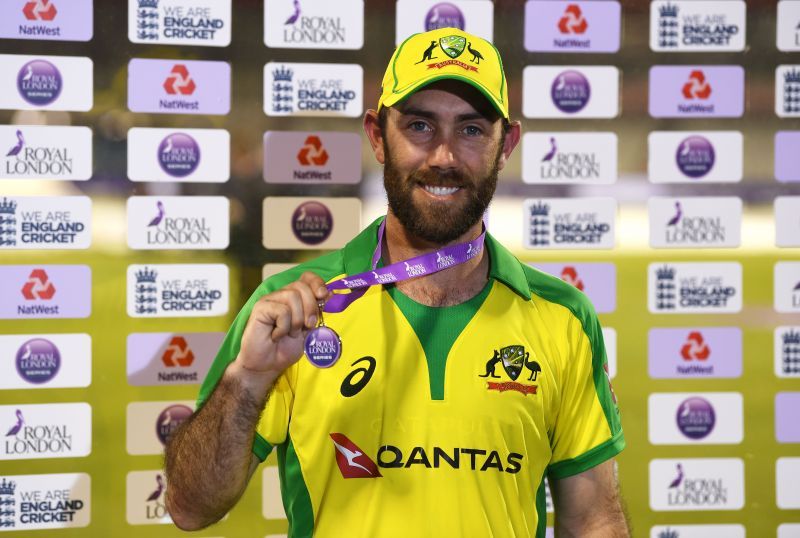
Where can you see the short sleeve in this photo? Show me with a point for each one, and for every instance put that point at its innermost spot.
(587, 430)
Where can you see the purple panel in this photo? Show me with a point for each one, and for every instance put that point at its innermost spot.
(787, 425)
(696, 91)
(695, 352)
(45, 291)
(787, 155)
(598, 280)
(51, 20)
(179, 86)
(572, 26)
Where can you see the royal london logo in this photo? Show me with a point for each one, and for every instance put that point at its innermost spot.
(24, 160)
(453, 46)
(416, 269)
(384, 278)
(563, 165)
(513, 360)
(444, 260)
(301, 28)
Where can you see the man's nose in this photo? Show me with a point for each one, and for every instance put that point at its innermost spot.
(442, 153)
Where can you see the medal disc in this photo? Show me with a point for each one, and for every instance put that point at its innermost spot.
(323, 346)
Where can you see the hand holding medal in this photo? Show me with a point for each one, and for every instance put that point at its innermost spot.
(323, 346)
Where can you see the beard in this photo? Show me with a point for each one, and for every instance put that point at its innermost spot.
(438, 222)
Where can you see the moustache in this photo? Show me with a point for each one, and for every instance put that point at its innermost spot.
(449, 178)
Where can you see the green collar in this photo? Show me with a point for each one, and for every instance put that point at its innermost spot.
(503, 265)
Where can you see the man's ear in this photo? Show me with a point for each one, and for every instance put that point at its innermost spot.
(511, 141)
(373, 130)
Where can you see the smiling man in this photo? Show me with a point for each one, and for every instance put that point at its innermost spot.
(443, 379)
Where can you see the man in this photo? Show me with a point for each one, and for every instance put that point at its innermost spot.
(457, 390)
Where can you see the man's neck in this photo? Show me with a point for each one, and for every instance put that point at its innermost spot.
(448, 287)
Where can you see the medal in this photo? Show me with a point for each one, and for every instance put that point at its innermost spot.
(322, 346)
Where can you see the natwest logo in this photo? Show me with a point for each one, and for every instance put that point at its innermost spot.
(40, 10)
(179, 81)
(352, 461)
(695, 347)
(573, 21)
(38, 286)
(697, 87)
(312, 153)
(178, 353)
(570, 275)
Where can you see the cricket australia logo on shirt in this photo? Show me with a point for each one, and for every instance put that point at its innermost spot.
(513, 359)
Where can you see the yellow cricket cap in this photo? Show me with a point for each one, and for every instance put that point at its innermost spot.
(445, 53)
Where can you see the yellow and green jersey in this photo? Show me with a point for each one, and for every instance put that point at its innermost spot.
(437, 421)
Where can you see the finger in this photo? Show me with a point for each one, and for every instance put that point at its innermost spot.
(310, 302)
(316, 284)
(276, 316)
(292, 299)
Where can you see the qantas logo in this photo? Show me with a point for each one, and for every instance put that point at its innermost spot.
(352, 461)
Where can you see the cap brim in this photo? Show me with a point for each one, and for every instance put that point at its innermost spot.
(395, 98)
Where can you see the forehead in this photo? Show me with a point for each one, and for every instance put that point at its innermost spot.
(450, 97)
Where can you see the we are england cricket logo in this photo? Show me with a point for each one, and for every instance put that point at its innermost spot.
(453, 46)
(513, 359)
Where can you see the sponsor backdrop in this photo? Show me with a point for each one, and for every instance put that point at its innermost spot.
(158, 157)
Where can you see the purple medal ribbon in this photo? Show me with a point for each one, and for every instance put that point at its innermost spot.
(322, 346)
(426, 264)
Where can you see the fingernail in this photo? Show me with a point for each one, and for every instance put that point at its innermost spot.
(312, 320)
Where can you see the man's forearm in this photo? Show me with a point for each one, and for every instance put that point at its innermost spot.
(607, 524)
(208, 459)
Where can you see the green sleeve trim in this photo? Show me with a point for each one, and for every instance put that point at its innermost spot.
(296, 499)
(557, 291)
(587, 460)
(261, 448)
(541, 510)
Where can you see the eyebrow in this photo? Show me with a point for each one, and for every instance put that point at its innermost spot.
(470, 116)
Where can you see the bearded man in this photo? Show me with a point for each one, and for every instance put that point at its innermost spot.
(443, 379)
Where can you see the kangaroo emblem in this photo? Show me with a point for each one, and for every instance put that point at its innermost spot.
(476, 56)
(491, 364)
(428, 55)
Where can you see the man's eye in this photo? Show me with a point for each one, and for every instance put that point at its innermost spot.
(472, 130)
(419, 126)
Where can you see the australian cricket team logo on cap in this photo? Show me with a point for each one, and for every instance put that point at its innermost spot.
(446, 53)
